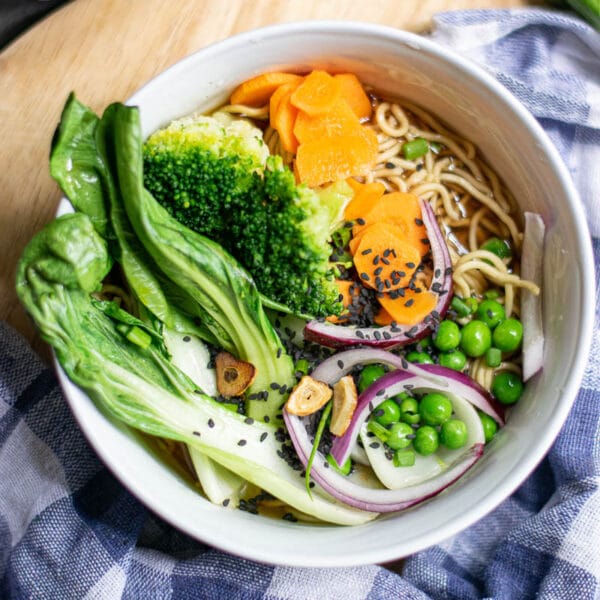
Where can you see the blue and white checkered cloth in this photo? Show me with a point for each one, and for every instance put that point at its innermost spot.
(69, 530)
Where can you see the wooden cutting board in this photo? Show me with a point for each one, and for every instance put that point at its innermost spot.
(104, 50)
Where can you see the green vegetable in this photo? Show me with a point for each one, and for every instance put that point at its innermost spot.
(378, 430)
(460, 307)
(507, 387)
(140, 386)
(426, 440)
(435, 408)
(369, 375)
(453, 360)
(387, 412)
(508, 335)
(500, 248)
(491, 313)
(476, 338)
(453, 434)
(489, 426)
(415, 148)
(447, 336)
(398, 436)
(213, 175)
(409, 411)
(493, 357)
(419, 357)
(318, 435)
(589, 9)
(404, 458)
(344, 469)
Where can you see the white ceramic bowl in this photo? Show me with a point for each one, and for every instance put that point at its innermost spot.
(479, 108)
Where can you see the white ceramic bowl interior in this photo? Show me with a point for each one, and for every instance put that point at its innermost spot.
(475, 105)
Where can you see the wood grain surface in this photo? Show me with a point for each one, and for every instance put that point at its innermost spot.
(105, 49)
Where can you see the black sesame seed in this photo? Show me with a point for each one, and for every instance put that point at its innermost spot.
(374, 445)
(196, 433)
(409, 303)
(379, 412)
(376, 260)
(419, 222)
(242, 443)
(249, 420)
(226, 502)
(279, 351)
(367, 251)
(267, 419)
(187, 338)
(211, 423)
(274, 386)
(390, 165)
(263, 436)
(378, 270)
(365, 277)
(385, 261)
(360, 221)
(340, 364)
(411, 265)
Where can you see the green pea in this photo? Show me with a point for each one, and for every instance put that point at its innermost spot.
(409, 411)
(426, 440)
(424, 343)
(476, 338)
(453, 434)
(387, 412)
(343, 469)
(507, 387)
(500, 248)
(491, 313)
(489, 426)
(370, 374)
(453, 360)
(404, 458)
(435, 408)
(447, 336)
(508, 335)
(398, 437)
(419, 357)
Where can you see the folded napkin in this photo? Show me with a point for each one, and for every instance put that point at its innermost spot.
(68, 529)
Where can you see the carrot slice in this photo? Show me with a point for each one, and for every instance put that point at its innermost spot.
(354, 94)
(348, 290)
(365, 197)
(337, 120)
(407, 309)
(378, 228)
(283, 116)
(403, 210)
(317, 93)
(338, 157)
(257, 91)
(384, 261)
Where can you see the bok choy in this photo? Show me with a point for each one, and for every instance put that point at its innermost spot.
(136, 382)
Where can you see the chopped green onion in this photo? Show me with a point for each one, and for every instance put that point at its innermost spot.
(404, 458)
(500, 248)
(318, 434)
(491, 294)
(461, 308)
(415, 148)
(301, 367)
(493, 357)
(344, 469)
(379, 430)
(472, 303)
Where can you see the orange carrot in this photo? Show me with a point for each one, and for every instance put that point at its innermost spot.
(403, 210)
(378, 228)
(283, 115)
(317, 93)
(334, 158)
(409, 309)
(354, 94)
(365, 196)
(337, 120)
(257, 91)
(384, 261)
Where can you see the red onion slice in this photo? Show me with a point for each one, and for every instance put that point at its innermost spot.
(335, 336)
(366, 498)
(531, 304)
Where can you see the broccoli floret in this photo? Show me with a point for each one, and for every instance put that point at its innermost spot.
(214, 175)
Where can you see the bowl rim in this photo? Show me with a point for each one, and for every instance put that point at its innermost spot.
(489, 501)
